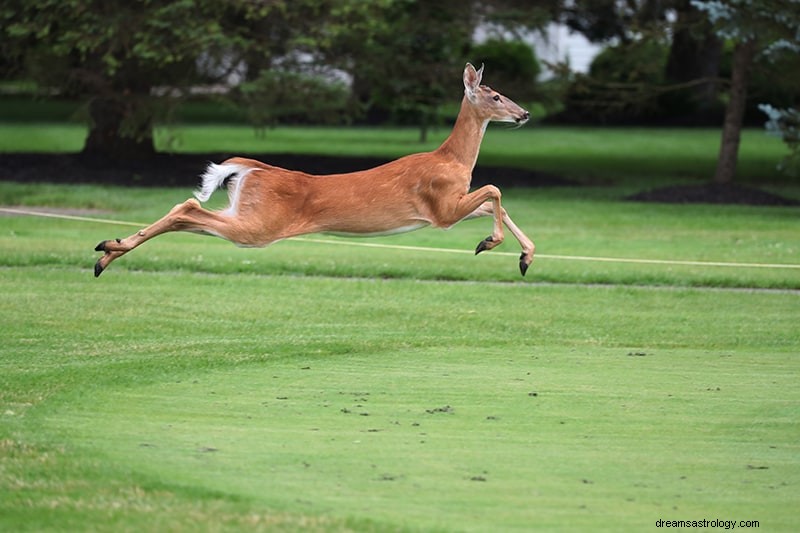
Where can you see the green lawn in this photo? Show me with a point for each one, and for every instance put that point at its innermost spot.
(168, 400)
(322, 385)
(332, 387)
(563, 222)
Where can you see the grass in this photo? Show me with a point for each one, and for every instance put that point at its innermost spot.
(333, 387)
(145, 400)
(197, 386)
(563, 222)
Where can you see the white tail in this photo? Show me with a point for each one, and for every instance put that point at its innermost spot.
(213, 178)
(216, 176)
(268, 203)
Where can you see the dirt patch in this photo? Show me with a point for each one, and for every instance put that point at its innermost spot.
(182, 170)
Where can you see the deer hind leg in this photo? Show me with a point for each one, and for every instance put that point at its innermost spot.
(188, 216)
(528, 248)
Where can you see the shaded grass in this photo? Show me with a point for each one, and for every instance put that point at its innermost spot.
(151, 400)
(599, 155)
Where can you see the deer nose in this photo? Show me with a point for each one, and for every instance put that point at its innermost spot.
(524, 117)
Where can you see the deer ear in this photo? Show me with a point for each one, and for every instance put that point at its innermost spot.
(472, 80)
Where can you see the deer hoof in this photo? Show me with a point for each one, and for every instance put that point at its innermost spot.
(98, 269)
(523, 265)
(483, 245)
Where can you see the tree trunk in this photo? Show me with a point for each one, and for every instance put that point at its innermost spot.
(732, 129)
(423, 131)
(113, 133)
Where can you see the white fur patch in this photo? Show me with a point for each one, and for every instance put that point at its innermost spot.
(393, 231)
(215, 175)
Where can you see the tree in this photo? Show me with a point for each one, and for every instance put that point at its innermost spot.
(760, 29)
(112, 54)
(406, 59)
(131, 59)
(681, 87)
(693, 62)
(408, 67)
(613, 20)
(514, 65)
(785, 123)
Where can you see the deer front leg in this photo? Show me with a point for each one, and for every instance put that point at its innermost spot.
(528, 248)
(468, 204)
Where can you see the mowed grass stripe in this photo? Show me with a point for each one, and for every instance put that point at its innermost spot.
(390, 404)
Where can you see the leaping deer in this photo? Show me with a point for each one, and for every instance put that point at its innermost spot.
(268, 203)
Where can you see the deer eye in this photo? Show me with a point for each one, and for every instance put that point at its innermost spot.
(496, 98)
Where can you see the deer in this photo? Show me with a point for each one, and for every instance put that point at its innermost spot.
(268, 203)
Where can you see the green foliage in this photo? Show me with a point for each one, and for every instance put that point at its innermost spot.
(132, 61)
(414, 65)
(277, 96)
(114, 55)
(600, 20)
(621, 84)
(772, 23)
(512, 65)
(775, 30)
(785, 123)
(635, 62)
(759, 29)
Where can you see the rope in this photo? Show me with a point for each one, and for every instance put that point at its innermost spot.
(671, 262)
(562, 257)
(16, 211)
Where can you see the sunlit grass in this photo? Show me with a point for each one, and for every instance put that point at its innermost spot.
(567, 221)
(151, 400)
(332, 387)
(327, 386)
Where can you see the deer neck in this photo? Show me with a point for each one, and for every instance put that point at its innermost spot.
(464, 141)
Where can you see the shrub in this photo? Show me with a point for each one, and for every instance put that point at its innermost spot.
(621, 86)
(785, 123)
(512, 67)
(284, 96)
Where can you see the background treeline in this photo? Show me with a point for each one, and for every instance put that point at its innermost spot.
(124, 66)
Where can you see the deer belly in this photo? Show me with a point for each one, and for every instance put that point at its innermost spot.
(392, 231)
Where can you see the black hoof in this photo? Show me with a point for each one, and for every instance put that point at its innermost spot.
(523, 266)
(98, 269)
(483, 245)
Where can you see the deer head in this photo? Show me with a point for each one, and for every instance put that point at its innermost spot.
(490, 104)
